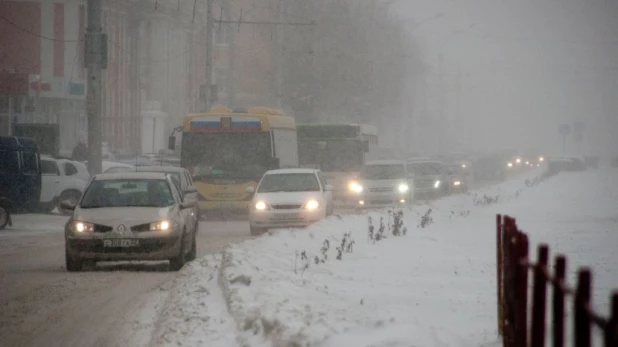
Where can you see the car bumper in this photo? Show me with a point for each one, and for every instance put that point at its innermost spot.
(382, 200)
(149, 248)
(282, 219)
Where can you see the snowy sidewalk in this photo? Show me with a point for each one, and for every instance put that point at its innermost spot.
(434, 286)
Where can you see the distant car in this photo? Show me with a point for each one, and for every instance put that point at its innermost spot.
(289, 198)
(61, 180)
(130, 216)
(458, 178)
(430, 178)
(384, 183)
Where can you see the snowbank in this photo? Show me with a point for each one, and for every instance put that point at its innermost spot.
(433, 286)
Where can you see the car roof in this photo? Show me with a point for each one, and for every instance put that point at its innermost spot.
(160, 169)
(131, 175)
(385, 162)
(291, 171)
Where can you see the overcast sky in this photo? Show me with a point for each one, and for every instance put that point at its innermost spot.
(525, 65)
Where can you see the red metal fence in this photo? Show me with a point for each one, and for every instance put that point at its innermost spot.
(516, 326)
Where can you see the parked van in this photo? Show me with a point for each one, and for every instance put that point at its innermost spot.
(20, 177)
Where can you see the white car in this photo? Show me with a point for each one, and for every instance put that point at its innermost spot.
(384, 183)
(130, 216)
(61, 179)
(289, 198)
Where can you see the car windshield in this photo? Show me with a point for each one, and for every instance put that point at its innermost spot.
(424, 169)
(383, 172)
(128, 193)
(294, 182)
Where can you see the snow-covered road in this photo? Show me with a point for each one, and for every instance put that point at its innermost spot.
(116, 305)
(435, 286)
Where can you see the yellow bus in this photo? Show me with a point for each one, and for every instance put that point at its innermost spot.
(227, 151)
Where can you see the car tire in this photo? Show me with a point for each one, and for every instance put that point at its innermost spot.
(193, 252)
(73, 264)
(71, 195)
(257, 231)
(5, 217)
(178, 261)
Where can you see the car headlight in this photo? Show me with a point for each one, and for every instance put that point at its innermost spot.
(312, 204)
(260, 206)
(541, 159)
(83, 227)
(509, 165)
(355, 187)
(457, 183)
(463, 166)
(518, 161)
(403, 188)
(163, 225)
(436, 185)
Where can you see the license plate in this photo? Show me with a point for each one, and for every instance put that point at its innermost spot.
(121, 243)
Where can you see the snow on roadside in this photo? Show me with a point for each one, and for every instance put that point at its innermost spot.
(195, 312)
(433, 286)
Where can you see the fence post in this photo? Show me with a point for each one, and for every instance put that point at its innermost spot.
(611, 331)
(581, 303)
(539, 298)
(558, 302)
(508, 286)
(499, 265)
(521, 289)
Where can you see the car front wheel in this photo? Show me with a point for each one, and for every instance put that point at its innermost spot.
(193, 252)
(4, 217)
(178, 261)
(257, 231)
(73, 264)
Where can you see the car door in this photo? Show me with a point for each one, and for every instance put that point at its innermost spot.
(50, 180)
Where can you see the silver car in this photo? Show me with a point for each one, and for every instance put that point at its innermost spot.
(384, 183)
(130, 216)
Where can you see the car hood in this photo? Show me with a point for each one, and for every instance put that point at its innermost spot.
(129, 215)
(284, 198)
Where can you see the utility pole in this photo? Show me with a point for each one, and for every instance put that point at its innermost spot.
(96, 61)
(209, 44)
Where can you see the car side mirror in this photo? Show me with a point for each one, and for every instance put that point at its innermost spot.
(250, 190)
(190, 190)
(187, 204)
(67, 205)
(328, 188)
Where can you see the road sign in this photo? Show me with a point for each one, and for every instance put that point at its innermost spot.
(565, 129)
(578, 131)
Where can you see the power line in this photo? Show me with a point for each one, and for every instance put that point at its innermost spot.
(313, 23)
(35, 34)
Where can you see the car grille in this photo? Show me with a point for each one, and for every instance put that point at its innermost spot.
(141, 227)
(286, 207)
(98, 228)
